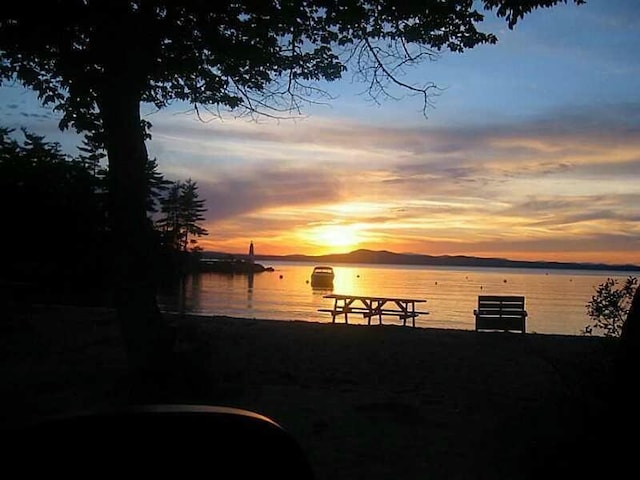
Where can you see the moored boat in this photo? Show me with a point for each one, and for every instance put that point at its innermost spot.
(322, 276)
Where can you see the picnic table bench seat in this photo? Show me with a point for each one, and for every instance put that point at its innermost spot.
(396, 313)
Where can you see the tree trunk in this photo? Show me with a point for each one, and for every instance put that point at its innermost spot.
(148, 340)
(629, 347)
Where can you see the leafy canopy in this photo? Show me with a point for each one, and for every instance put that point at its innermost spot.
(258, 55)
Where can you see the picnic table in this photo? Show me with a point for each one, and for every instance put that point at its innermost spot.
(369, 307)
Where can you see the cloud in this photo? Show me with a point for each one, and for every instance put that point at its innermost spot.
(404, 162)
(522, 182)
(266, 189)
(558, 133)
(553, 178)
(603, 242)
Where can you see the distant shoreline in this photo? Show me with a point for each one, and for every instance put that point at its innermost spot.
(389, 258)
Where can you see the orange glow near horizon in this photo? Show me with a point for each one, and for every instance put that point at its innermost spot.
(566, 197)
(268, 246)
(426, 229)
(333, 238)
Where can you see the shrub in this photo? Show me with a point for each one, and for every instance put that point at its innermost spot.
(609, 307)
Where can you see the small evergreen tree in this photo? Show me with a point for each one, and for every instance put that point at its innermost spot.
(92, 156)
(169, 222)
(182, 211)
(193, 212)
(156, 186)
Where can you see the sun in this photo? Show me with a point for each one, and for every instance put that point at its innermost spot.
(335, 237)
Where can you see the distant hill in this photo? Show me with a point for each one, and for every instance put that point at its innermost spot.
(391, 258)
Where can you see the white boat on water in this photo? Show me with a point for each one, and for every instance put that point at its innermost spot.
(322, 276)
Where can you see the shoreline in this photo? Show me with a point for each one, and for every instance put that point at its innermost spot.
(556, 304)
(373, 257)
(374, 402)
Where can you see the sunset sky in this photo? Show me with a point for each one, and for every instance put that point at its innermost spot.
(531, 151)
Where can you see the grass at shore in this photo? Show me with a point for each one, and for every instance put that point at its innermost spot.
(371, 402)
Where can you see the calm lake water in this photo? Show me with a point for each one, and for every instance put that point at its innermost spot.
(555, 299)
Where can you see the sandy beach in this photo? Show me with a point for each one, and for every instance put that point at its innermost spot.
(364, 402)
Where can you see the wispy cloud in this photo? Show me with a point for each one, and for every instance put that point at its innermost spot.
(266, 190)
(531, 184)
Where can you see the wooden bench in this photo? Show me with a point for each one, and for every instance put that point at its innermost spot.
(506, 313)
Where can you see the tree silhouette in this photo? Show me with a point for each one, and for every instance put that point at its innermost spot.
(156, 185)
(92, 155)
(182, 210)
(609, 306)
(97, 61)
(170, 221)
(52, 215)
(192, 207)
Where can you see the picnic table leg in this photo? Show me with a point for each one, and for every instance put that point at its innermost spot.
(404, 310)
(413, 314)
(345, 307)
(368, 305)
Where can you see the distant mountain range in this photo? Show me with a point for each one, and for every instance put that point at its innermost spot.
(391, 258)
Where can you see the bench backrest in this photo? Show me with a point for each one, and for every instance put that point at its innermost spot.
(500, 313)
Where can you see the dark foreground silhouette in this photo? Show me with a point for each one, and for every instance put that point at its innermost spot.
(156, 441)
(374, 402)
